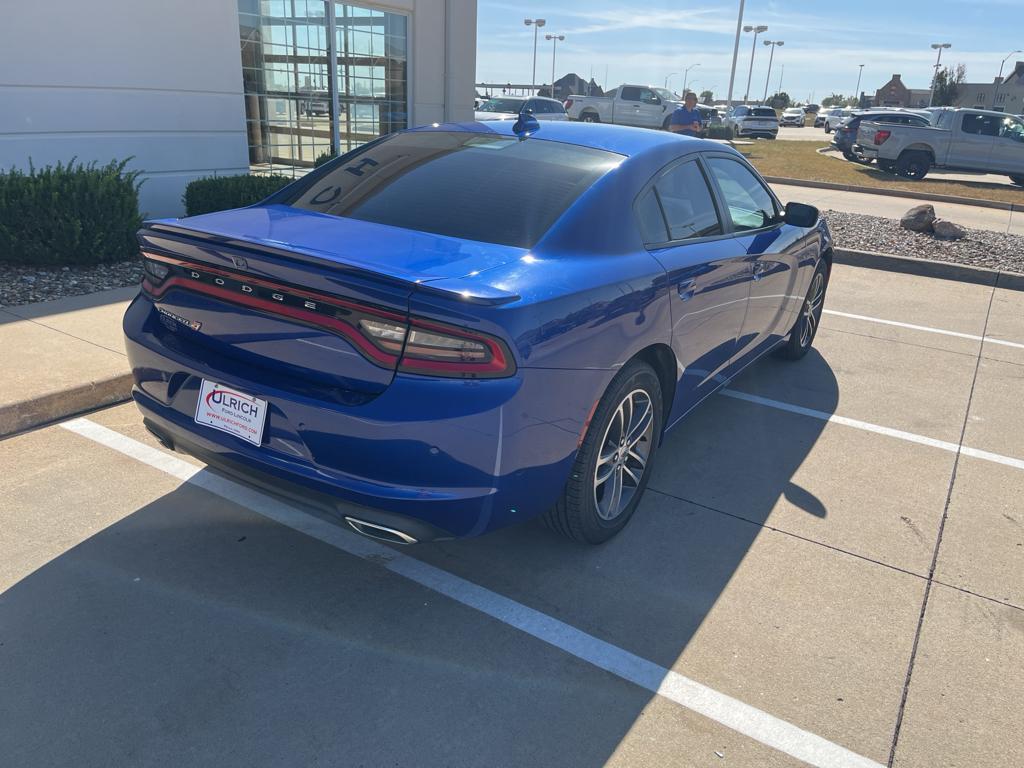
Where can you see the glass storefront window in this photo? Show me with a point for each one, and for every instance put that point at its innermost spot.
(290, 82)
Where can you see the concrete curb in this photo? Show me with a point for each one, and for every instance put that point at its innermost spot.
(942, 270)
(29, 414)
(1016, 207)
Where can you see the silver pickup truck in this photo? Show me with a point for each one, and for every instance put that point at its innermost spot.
(961, 139)
(639, 105)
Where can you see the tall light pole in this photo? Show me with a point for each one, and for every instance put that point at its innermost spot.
(771, 57)
(686, 76)
(735, 53)
(750, 73)
(782, 71)
(554, 46)
(537, 24)
(668, 78)
(856, 91)
(999, 80)
(938, 61)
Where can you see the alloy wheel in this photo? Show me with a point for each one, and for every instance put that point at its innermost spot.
(624, 453)
(812, 309)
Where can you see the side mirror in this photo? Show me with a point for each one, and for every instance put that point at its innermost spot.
(801, 215)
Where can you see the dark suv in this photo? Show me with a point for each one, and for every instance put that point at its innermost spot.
(845, 136)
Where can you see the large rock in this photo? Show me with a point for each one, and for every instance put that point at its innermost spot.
(947, 230)
(919, 218)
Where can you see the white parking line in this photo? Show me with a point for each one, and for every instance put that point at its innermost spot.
(732, 713)
(925, 328)
(867, 426)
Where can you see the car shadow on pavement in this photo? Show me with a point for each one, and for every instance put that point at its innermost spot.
(195, 632)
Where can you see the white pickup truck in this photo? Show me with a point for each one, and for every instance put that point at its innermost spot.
(640, 105)
(962, 139)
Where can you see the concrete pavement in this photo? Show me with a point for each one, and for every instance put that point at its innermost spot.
(853, 568)
(62, 357)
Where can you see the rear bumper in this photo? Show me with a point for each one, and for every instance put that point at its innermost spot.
(460, 457)
(758, 131)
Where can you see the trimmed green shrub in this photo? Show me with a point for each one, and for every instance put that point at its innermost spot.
(325, 157)
(719, 132)
(220, 193)
(69, 214)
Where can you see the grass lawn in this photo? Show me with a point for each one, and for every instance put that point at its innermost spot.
(800, 160)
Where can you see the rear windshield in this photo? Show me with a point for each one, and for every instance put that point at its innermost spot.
(502, 105)
(762, 112)
(474, 186)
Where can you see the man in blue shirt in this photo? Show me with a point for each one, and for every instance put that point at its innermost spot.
(687, 119)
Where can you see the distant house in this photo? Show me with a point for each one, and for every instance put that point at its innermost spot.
(896, 94)
(570, 84)
(1006, 95)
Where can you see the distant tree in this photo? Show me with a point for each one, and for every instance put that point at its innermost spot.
(835, 100)
(707, 97)
(948, 82)
(780, 100)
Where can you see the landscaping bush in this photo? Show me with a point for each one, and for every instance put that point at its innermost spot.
(719, 132)
(220, 193)
(69, 214)
(324, 157)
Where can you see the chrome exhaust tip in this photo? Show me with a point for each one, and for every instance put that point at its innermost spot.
(379, 532)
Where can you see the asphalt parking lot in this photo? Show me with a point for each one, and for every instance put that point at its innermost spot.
(827, 569)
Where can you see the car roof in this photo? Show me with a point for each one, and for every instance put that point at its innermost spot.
(620, 139)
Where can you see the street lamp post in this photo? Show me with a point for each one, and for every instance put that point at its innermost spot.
(938, 61)
(554, 46)
(667, 79)
(537, 24)
(999, 80)
(735, 54)
(856, 91)
(686, 76)
(750, 73)
(771, 57)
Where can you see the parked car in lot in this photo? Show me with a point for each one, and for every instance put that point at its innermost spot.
(812, 109)
(845, 136)
(834, 117)
(455, 328)
(793, 116)
(752, 121)
(510, 107)
(962, 139)
(638, 105)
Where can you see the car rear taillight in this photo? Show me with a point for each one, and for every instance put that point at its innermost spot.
(390, 340)
(567, 104)
(882, 136)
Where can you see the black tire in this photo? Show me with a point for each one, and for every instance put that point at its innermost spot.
(801, 335)
(665, 125)
(827, 129)
(913, 165)
(579, 514)
(590, 117)
(1017, 180)
(770, 137)
(887, 165)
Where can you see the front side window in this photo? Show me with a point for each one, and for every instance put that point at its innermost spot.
(1012, 128)
(630, 93)
(473, 186)
(749, 204)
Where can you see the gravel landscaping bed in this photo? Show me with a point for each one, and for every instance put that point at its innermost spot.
(980, 248)
(25, 285)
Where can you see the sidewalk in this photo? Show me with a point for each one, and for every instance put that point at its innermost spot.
(894, 207)
(62, 357)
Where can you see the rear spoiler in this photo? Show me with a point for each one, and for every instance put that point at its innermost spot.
(454, 289)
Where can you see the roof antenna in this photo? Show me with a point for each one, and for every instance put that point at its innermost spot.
(526, 124)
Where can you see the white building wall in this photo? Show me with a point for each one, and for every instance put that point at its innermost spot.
(162, 82)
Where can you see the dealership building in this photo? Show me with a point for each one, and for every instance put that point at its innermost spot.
(214, 87)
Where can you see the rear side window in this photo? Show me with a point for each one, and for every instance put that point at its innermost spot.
(982, 125)
(749, 204)
(474, 186)
(678, 207)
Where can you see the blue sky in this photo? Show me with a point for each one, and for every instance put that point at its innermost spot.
(824, 42)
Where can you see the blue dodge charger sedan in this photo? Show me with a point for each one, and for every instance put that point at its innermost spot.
(459, 327)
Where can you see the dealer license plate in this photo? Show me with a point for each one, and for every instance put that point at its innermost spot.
(231, 411)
